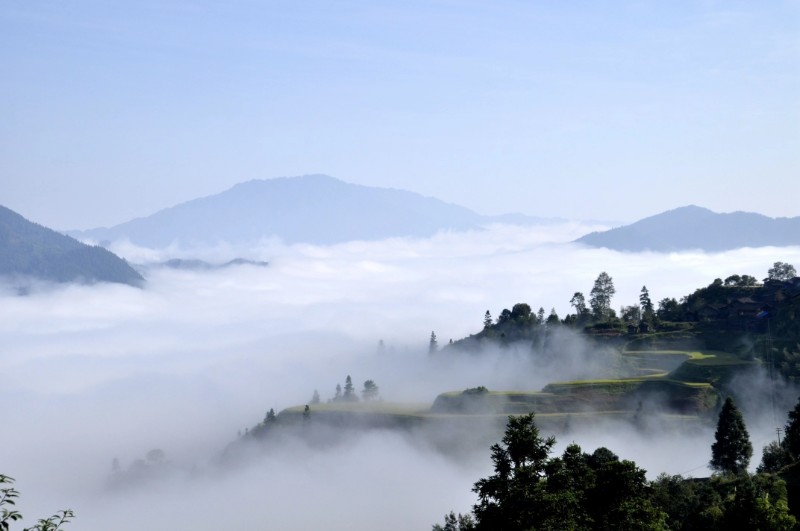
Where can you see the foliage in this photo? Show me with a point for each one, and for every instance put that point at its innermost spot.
(646, 305)
(792, 432)
(578, 301)
(731, 450)
(349, 391)
(8, 496)
(487, 320)
(781, 271)
(370, 391)
(433, 344)
(601, 294)
(453, 522)
(774, 457)
(722, 503)
(530, 490)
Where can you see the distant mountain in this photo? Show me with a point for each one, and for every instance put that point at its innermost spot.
(693, 227)
(311, 209)
(31, 250)
(193, 264)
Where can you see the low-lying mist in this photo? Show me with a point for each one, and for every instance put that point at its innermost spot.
(104, 372)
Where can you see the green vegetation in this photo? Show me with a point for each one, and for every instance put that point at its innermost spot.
(8, 497)
(532, 490)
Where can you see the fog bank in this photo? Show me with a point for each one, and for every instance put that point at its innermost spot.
(93, 373)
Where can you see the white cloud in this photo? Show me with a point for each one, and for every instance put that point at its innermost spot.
(93, 373)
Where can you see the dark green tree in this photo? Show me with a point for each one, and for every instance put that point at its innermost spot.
(646, 305)
(349, 391)
(731, 450)
(579, 303)
(792, 432)
(781, 271)
(433, 344)
(504, 498)
(370, 391)
(540, 316)
(600, 296)
(453, 522)
(487, 320)
(521, 312)
(773, 458)
(270, 417)
(553, 318)
(669, 310)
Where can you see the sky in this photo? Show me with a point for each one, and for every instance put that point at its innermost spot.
(581, 110)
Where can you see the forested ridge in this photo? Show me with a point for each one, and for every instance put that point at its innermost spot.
(28, 249)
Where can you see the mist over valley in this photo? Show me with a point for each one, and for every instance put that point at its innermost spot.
(191, 363)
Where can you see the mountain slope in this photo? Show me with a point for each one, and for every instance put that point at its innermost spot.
(312, 209)
(693, 227)
(29, 249)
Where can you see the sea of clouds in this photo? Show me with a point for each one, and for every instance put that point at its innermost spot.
(94, 373)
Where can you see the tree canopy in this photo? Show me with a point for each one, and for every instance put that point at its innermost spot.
(731, 451)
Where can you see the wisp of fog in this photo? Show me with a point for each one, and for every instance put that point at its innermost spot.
(97, 373)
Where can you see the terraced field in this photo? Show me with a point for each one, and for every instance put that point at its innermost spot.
(684, 383)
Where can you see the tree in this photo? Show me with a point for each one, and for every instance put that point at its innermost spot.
(773, 457)
(579, 303)
(504, 498)
(270, 417)
(781, 271)
(521, 312)
(646, 305)
(315, 397)
(338, 395)
(370, 391)
(433, 345)
(8, 496)
(669, 310)
(630, 314)
(601, 295)
(487, 320)
(540, 316)
(791, 439)
(462, 522)
(529, 490)
(553, 318)
(349, 390)
(731, 451)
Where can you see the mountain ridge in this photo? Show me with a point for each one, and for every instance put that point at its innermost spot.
(315, 208)
(28, 249)
(692, 227)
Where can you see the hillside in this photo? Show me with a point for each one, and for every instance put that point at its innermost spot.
(693, 227)
(31, 250)
(313, 209)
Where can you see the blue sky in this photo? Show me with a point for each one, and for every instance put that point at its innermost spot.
(589, 110)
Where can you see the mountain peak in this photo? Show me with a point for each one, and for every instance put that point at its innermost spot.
(694, 227)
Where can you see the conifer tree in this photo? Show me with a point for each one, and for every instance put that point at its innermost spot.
(792, 432)
(731, 451)
(349, 390)
(487, 319)
(433, 346)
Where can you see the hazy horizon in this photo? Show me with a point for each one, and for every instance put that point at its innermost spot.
(578, 111)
